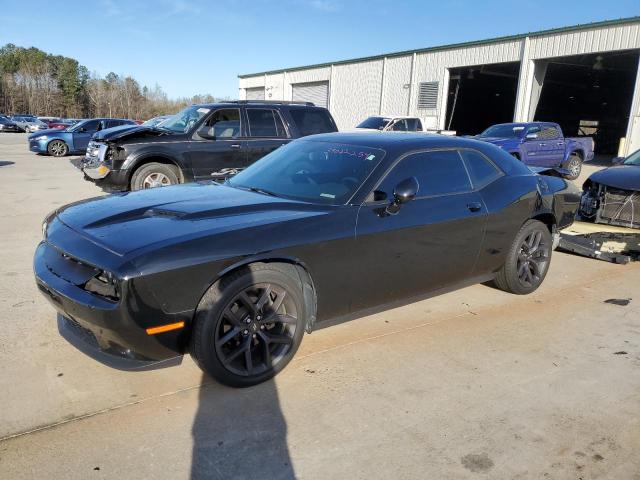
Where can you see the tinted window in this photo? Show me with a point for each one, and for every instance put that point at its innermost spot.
(89, 126)
(400, 126)
(548, 132)
(265, 123)
(414, 125)
(224, 123)
(535, 130)
(438, 173)
(310, 122)
(481, 170)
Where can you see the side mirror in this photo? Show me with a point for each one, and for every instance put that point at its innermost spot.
(617, 160)
(206, 133)
(531, 136)
(404, 192)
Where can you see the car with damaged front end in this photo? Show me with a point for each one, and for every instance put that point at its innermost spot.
(612, 195)
(323, 227)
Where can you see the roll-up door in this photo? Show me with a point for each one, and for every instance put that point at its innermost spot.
(256, 93)
(316, 92)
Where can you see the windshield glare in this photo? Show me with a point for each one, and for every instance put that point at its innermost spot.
(182, 121)
(508, 131)
(376, 123)
(311, 171)
(633, 159)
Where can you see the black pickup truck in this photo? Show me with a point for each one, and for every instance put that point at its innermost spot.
(202, 142)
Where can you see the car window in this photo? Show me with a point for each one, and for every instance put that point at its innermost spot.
(91, 125)
(311, 122)
(225, 123)
(481, 170)
(414, 125)
(548, 132)
(400, 125)
(531, 130)
(265, 123)
(437, 172)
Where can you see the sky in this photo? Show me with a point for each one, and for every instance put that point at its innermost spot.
(197, 47)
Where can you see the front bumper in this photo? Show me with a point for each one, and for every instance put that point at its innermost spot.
(38, 146)
(103, 327)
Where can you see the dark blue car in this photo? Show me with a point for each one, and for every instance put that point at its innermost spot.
(73, 139)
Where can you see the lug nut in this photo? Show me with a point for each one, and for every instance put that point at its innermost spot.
(248, 320)
(261, 327)
(258, 318)
(245, 332)
(254, 335)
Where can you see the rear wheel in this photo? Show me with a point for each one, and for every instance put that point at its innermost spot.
(57, 148)
(249, 325)
(574, 166)
(154, 175)
(528, 260)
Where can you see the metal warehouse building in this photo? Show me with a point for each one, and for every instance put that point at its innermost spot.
(584, 77)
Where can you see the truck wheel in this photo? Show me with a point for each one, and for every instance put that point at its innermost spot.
(527, 261)
(249, 325)
(574, 165)
(154, 175)
(57, 148)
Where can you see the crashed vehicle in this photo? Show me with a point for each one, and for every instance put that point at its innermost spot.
(202, 142)
(612, 196)
(327, 225)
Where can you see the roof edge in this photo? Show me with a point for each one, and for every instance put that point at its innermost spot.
(488, 41)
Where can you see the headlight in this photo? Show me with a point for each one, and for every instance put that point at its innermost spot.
(46, 221)
(41, 137)
(45, 224)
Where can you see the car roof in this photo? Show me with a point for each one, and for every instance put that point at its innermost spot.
(397, 141)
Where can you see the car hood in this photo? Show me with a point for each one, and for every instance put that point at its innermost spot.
(126, 131)
(122, 223)
(47, 131)
(625, 177)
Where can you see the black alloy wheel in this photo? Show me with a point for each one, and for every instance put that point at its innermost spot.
(257, 330)
(249, 324)
(533, 259)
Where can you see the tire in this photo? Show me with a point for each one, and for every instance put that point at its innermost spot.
(57, 148)
(232, 339)
(526, 264)
(153, 175)
(574, 165)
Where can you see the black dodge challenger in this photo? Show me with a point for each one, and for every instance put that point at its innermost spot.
(328, 225)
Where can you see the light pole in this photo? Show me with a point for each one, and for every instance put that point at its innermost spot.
(109, 103)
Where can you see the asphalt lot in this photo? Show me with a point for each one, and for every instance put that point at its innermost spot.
(472, 384)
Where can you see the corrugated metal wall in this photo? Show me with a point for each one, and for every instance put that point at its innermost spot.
(389, 86)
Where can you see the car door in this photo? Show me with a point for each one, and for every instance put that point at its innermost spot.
(551, 146)
(266, 132)
(431, 243)
(531, 147)
(82, 136)
(223, 152)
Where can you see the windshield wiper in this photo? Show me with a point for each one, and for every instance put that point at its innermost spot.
(262, 191)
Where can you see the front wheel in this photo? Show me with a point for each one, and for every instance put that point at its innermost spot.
(57, 148)
(527, 261)
(154, 175)
(249, 325)
(574, 167)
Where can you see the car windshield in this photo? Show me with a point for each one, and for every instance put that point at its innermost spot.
(376, 123)
(503, 131)
(633, 159)
(311, 171)
(182, 121)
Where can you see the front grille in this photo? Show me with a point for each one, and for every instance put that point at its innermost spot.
(621, 207)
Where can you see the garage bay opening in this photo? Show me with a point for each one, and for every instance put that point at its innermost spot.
(481, 96)
(587, 95)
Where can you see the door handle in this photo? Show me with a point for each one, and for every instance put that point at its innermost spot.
(560, 143)
(235, 145)
(542, 144)
(474, 206)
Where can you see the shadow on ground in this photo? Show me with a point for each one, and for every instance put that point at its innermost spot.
(240, 433)
(6, 163)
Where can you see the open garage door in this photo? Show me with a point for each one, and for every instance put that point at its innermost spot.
(256, 93)
(587, 95)
(481, 96)
(315, 92)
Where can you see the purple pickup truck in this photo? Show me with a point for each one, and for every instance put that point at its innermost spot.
(541, 144)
